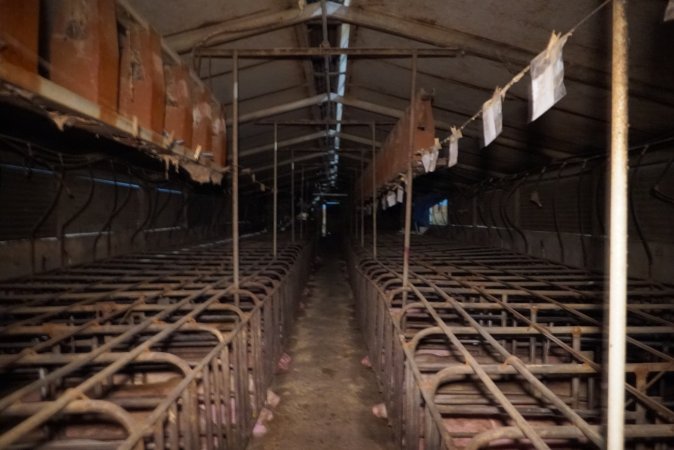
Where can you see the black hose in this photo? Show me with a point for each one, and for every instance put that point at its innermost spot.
(554, 213)
(635, 215)
(580, 214)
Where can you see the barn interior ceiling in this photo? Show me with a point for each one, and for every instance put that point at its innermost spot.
(324, 103)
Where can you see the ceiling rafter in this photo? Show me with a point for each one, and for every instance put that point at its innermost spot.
(586, 69)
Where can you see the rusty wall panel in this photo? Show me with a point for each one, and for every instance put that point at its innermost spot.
(392, 157)
(141, 90)
(178, 116)
(83, 49)
(19, 33)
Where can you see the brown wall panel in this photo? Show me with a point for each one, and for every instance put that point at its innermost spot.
(83, 49)
(141, 80)
(178, 116)
(19, 21)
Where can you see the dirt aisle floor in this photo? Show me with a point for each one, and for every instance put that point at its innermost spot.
(327, 395)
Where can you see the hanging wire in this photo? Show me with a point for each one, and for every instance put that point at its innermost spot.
(525, 70)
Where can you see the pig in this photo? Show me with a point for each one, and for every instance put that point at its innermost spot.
(273, 400)
(260, 428)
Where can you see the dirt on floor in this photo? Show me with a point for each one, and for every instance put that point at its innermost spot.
(327, 394)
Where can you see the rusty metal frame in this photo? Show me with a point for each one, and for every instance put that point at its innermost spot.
(492, 347)
(77, 342)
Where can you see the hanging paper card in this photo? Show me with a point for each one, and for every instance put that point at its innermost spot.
(547, 77)
(492, 117)
(426, 159)
(391, 198)
(669, 12)
(383, 202)
(429, 159)
(436, 151)
(454, 147)
(400, 193)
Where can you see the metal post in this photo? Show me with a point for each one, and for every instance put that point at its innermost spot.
(362, 199)
(292, 195)
(302, 203)
(235, 174)
(617, 260)
(408, 188)
(274, 226)
(373, 164)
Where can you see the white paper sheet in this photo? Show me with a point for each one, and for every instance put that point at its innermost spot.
(400, 194)
(429, 159)
(492, 118)
(547, 77)
(669, 12)
(391, 198)
(453, 157)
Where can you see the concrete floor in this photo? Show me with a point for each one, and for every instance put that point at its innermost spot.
(327, 395)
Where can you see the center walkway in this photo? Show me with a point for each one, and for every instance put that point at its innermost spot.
(327, 395)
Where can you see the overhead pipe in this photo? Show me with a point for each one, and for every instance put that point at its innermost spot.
(617, 257)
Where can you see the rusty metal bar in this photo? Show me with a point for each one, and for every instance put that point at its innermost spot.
(409, 179)
(184, 303)
(310, 52)
(292, 195)
(531, 328)
(362, 200)
(235, 169)
(374, 191)
(275, 207)
(303, 220)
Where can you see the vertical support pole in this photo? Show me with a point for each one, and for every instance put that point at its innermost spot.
(617, 258)
(235, 173)
(408, 188)
(275, 225)
(362, 199)
(302, 203)
(292, 194)
(373, 164)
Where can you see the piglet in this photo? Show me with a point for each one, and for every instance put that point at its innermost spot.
(260, 428)
(379, 410)
(284, 363)
(272, 399)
